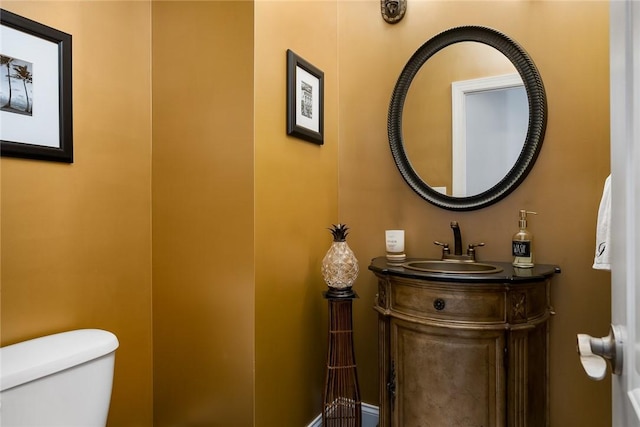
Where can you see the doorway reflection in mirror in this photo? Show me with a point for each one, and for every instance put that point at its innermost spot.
(489, 125)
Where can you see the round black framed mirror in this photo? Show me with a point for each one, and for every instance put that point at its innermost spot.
(535, 131)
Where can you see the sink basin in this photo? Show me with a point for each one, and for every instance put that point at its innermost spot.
(452, 267)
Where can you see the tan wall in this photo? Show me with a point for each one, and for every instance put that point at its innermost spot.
(564, 187)
(203, 210)
(296, 201)
(76, 239)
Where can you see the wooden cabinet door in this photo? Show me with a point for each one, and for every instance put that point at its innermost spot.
(446, 377)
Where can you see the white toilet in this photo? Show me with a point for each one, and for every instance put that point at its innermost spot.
(58, 380)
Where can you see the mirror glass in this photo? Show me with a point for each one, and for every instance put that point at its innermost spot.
(450, 151)
(465, 127)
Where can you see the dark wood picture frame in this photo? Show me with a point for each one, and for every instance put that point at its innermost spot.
(305, 100)
(60, 148)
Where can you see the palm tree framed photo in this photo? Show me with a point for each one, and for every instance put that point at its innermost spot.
(35, 90)
(305, 100)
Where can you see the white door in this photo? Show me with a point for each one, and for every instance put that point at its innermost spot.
(488, 114)
(622, 346)
(625, 199)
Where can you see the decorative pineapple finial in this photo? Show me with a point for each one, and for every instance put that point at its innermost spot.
(339, 266)
(340, 232)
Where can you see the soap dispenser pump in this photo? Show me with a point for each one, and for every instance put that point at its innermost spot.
(522, 243)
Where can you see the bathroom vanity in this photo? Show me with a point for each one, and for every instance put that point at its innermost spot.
(463, 349)
(463, 343)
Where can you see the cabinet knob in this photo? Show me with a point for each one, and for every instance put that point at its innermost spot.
(439, 304)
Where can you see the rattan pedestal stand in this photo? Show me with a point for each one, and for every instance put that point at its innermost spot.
(342, 404)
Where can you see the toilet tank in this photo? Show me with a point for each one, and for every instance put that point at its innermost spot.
(61, 380)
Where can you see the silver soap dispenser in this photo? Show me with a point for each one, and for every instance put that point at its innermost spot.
(522, 243)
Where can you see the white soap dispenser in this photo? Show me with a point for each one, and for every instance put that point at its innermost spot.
(522, 243)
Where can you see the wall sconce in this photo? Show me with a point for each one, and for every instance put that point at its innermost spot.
(393, 10)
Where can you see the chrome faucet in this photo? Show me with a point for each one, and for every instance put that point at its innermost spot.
(457, 247)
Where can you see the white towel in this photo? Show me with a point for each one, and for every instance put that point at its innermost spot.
(603, 231)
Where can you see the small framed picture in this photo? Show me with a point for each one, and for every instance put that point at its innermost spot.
(305, 100)
(35, 90)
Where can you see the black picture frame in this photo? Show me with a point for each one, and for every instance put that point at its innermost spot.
(305, 99)
(45, 132)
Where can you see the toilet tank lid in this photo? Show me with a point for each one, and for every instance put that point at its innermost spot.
(39, 357)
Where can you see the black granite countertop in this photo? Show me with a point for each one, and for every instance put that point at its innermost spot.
(509, 273)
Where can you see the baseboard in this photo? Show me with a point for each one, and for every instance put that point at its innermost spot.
(370, 415)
